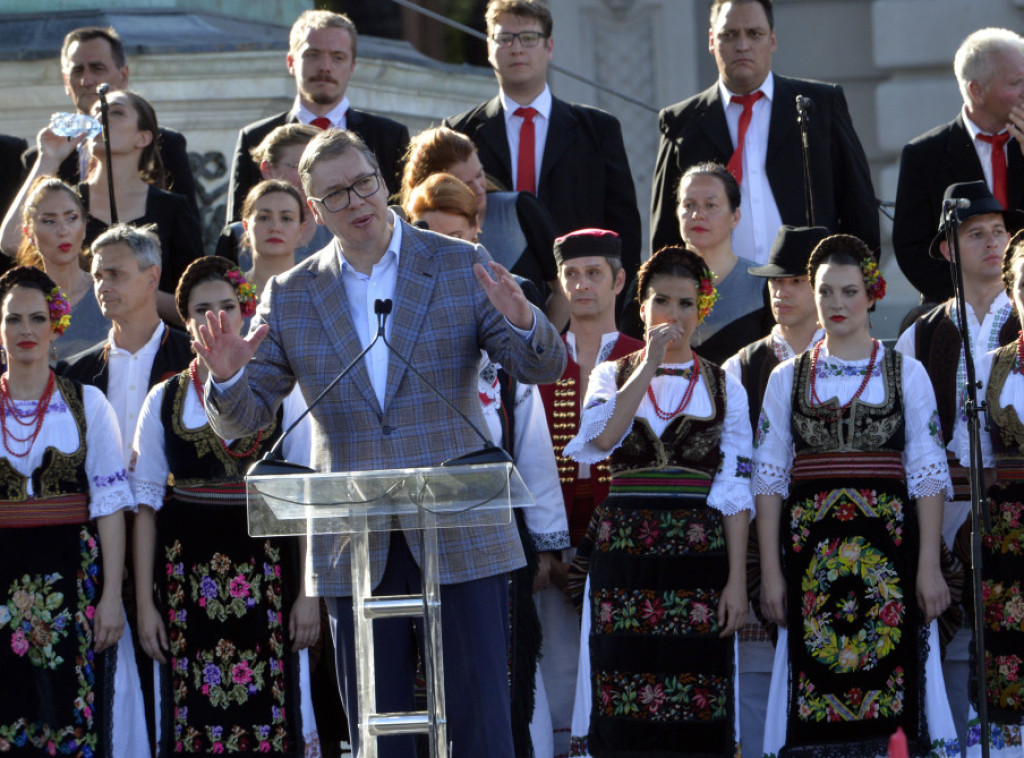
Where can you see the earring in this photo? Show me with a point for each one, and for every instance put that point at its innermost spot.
(53, 352)
(3, 355)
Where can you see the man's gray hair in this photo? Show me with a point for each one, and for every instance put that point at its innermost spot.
(142, 240)
(973, 61)
(331, 143)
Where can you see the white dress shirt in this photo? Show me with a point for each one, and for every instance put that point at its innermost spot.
(759, 213)
(128, 384)
(336, 115)
(513, 123)
(984, 149)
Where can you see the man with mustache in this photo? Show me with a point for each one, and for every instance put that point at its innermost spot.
(321, 57)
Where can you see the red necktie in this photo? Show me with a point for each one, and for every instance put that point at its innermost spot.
(747, 101)
(527, 167)
(998, 143)
(321, 123)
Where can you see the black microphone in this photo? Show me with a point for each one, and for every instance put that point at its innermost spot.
(272, 464)
(959, 203)
(102, 91)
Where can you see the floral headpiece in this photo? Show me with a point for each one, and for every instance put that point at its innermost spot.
(246, 293)
(60, 311)
(707, 295)
(873, 278)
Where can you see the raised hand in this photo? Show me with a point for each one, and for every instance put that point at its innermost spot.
(54, 149)
(224, 351)
(505, 294)
(659, 337)
(1016, 125)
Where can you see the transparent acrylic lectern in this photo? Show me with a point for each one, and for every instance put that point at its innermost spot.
(358, 503)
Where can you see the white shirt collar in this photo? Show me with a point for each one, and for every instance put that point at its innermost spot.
(608, 338)
(151, 344)
(767, 87)
(541, 103)
(394, 246)
(972, 128)
(336, 115)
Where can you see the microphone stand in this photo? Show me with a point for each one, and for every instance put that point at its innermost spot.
(803, 119)
(979, 508)
(102, 91)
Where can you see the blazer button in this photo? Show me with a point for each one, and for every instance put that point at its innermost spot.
(540, 350)
(388, 429)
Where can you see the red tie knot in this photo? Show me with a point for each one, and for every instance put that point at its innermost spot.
(526, 114)
(747, 101)
(321, 123)
(996, 140)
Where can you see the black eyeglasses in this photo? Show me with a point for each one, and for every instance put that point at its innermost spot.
(526, 39)
(341, 198)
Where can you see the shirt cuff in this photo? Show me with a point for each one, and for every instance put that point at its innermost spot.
(525, 334)
(227, 383)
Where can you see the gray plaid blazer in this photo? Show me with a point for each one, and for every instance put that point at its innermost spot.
(441, 320)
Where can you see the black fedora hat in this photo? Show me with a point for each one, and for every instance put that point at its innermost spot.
(981, 203)
(791, 251)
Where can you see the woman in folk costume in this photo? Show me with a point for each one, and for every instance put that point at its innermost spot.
(229, 620)
(69, 687)
(666, 550)
(850, 478)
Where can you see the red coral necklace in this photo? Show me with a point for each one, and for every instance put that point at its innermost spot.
(32, 419)
(667, 416)
(816, 401)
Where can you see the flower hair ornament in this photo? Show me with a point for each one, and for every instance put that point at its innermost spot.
(246, 293)
(707, 295)
(60, 311)
(873, 278)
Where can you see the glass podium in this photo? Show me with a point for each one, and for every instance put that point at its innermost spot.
(357, 503)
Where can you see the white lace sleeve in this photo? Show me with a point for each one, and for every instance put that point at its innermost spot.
(598, 406)
(109, 490)
(924, 453)
(149, 468)
(773, 437)
(730, 490)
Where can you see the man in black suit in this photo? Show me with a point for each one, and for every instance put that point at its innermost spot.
(580, 170)
(989, 68)
(89, 57)
(707, 126)
(321, 57)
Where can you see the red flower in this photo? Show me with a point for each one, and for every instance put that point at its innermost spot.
(891, 613)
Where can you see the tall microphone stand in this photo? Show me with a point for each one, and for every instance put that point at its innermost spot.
(102, 91)
(979, 508)
(803, 119)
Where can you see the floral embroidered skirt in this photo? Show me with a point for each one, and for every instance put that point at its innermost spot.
(232, 684)
(1002, 552)
(57, 694)
(654, 675)
(856, 645)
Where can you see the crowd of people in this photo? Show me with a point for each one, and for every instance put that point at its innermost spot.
(752, 518)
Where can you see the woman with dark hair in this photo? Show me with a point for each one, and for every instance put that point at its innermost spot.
(516, 229)
(69, 687)
(230, 618)
(53, 238)
(708, 211)
(1000, 372)
(664, 554)
(850, 477)
(274, 219)
(137, 170)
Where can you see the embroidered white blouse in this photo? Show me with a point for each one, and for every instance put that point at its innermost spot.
(109, 490)
(924, 457)
(730, 489)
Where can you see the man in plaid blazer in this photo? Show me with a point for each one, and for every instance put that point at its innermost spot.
(312, 322)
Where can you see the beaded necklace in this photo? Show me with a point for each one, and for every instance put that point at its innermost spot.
(193, 372)
(816, 401)
(694, 375)
(34, 417)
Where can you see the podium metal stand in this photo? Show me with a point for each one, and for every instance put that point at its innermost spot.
(358, 503)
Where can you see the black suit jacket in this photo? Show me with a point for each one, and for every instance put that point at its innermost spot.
(585, 180)
(930, 163)
(388, 140)
(172, 357)
(12, 171)
(695, 130)
(173, 151)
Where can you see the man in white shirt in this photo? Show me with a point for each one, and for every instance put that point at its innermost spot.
(934, 339)
(747, 120)
(983, 142)
(141, 349)
(570, 156)
(321, 57)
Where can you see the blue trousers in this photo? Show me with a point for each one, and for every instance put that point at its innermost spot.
(474, 628)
